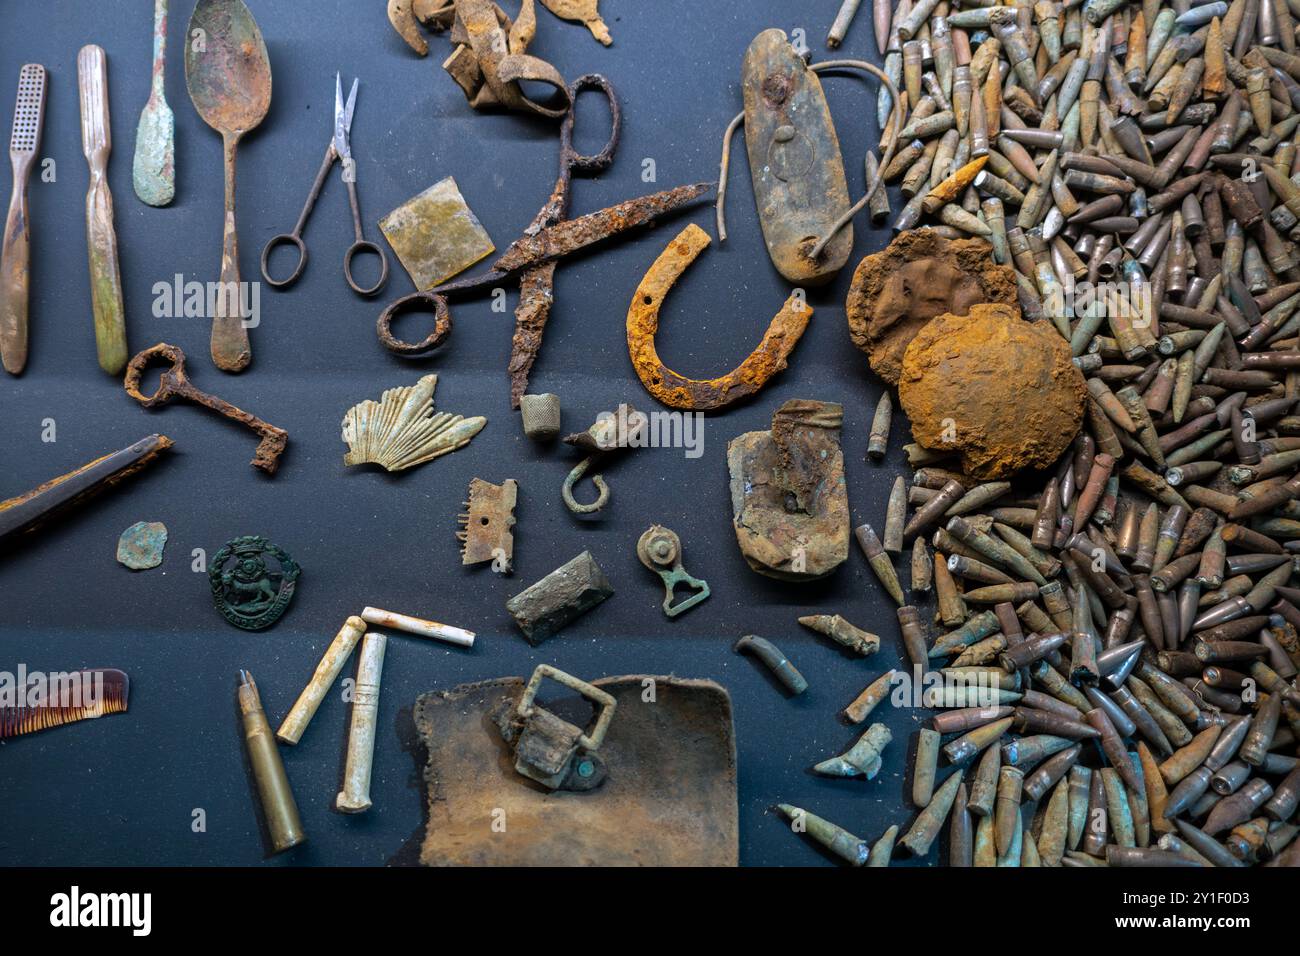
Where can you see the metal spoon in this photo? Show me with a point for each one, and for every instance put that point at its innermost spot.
(228, 75)
(153, 173)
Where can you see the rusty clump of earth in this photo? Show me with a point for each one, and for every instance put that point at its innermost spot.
(1000, 391)
(918, 276)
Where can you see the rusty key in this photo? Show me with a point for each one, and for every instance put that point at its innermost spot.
(175, 384)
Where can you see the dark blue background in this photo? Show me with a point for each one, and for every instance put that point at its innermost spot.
(121, 790)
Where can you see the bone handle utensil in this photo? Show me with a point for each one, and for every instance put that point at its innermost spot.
(153, 173)
(15, 254)
(418, 626)
(355, 795)
(327, 671)
(105, 279)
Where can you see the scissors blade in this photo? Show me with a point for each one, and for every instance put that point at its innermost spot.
(571, 235)
(342, 117)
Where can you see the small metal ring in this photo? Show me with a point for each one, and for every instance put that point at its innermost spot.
(409, 303)
(365, 245)
(287, 238)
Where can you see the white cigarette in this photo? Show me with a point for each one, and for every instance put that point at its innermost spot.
(327, 671)
(355, 795)
(417, 625)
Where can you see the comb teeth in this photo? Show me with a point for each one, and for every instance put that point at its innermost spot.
(29, 110)
(108, 689)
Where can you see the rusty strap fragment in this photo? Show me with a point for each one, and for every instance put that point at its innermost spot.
(489, 61)
(677, 391)
(570, 235)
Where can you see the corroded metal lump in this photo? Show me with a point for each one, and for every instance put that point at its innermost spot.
(918, 276)
(1000, 391)
(788, 498)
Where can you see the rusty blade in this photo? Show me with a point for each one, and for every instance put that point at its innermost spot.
(573, 234)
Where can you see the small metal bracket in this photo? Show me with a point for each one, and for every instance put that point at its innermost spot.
(660, 550)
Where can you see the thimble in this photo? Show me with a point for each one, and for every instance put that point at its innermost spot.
(541, 416)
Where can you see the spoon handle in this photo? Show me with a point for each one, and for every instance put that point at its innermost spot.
(230, 349)
(159, 47)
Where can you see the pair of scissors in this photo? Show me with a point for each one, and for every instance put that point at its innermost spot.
(549, 237)
(339, 149)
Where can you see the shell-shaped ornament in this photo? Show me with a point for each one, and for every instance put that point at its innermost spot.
(402, 430)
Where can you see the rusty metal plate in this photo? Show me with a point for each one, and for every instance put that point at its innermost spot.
(669, 800)
(794, 161)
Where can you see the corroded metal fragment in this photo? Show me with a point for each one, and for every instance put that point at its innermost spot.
(141, 546)
(549, 749)
(584, 12)
(436, 235)
(29, 511)
(564, 595)
(918, 276)
(401, 430)
(775, 660)
(964, 385)
(488, 60)
(842, 632)
(488, 518)
(794, 160)
(250, 595)
(572, 235)
(788, 498)
(863, 759)
(660, 550)
(676, 390)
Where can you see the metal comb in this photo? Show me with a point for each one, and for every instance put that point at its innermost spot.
(24, 142)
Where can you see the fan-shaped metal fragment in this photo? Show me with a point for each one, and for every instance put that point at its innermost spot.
(401, 430)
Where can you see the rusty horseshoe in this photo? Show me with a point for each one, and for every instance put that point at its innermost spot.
(677, 391)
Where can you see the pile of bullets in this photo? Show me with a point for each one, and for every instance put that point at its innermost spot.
(1117, 649)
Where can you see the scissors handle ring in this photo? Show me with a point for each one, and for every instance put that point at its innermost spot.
(597, 162)
(365, 246)
(290, 239)
(409, 303)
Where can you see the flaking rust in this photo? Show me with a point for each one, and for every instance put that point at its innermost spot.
(489, 61)
(794, 160)
(586, 12)
(675, 390)
(569, 235)
(488, 518)
(788, 497)
(896, 292)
